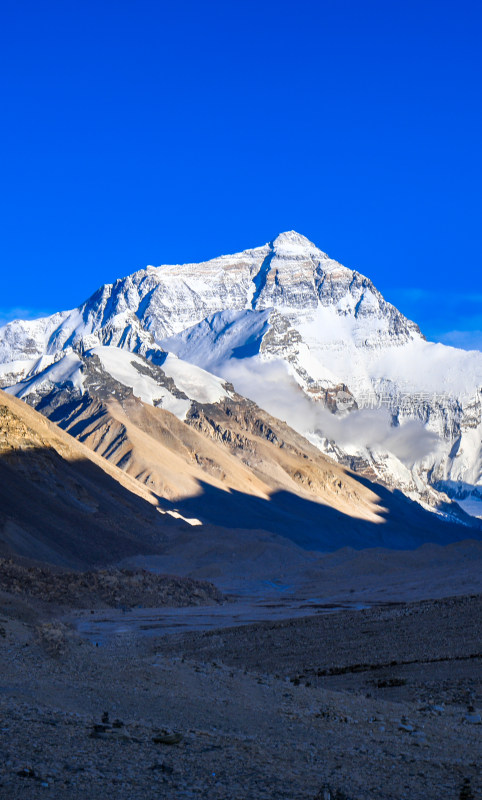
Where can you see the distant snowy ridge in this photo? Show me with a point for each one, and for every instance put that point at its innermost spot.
(287, 304)
(133, 372)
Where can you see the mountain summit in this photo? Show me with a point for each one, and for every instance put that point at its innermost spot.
(293, 243)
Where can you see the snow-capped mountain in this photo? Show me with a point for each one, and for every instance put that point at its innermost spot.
(289, 274)
(300, 334)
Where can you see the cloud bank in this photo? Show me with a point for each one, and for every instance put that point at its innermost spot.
(271, 386)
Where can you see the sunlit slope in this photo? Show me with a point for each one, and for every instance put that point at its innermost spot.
(62, 503)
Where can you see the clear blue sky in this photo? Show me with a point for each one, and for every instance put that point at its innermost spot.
(153, 132)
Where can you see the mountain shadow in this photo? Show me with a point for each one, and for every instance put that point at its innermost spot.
(311, 525)
(72, 513)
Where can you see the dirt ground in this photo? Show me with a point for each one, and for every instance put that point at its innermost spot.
(377, 704)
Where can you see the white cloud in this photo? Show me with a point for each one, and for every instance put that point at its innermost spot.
(271, 387)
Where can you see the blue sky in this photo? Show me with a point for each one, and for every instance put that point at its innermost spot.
(156, 132)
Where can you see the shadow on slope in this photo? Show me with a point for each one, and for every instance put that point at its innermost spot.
(311, 525)
(72, 513)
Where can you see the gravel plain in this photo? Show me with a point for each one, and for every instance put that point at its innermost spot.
(378, 704)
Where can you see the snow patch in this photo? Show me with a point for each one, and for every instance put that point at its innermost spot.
(196, 383)
(120, 364)
(67, 370)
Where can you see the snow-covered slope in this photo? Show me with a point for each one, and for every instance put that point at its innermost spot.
(173, 387)
(284, 323)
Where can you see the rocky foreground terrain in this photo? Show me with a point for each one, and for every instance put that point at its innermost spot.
(377, 704)
(115, 588)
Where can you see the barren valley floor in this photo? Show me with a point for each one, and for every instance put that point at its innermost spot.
(375, 704)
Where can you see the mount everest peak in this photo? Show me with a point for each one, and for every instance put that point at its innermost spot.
(289, 273)
(285, 318)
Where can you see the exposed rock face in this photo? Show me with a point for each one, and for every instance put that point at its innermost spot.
(342, 343)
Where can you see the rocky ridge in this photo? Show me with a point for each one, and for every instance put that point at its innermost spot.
(104, 588)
